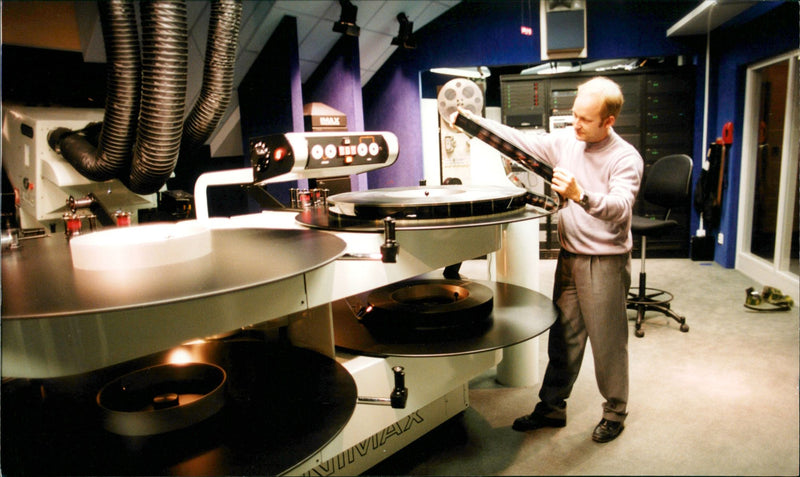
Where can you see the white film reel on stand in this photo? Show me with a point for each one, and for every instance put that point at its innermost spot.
(460, 93)
(455, 146)
(465, 94)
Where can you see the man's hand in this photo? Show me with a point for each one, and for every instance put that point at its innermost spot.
(564, 183)
(451, 120)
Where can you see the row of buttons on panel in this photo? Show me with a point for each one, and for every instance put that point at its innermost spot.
(330, 151)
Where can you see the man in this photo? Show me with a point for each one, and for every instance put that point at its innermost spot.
(600, 174)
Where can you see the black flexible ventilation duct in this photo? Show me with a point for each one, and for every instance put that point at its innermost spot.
(165, 65)
(108, 159)
(152, 95)
(223, 39)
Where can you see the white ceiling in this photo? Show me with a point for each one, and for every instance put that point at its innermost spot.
(315, 35)
(315, 18)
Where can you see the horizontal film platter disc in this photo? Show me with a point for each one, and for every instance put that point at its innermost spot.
(281, 406)
(517, 314)
(426, 203)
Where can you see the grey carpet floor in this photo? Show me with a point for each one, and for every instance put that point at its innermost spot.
(721, 399)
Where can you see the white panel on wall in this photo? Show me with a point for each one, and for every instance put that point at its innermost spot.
(430, 141)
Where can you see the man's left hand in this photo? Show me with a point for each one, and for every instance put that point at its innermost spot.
(565, 184)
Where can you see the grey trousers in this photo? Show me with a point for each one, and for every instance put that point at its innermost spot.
(590, 293)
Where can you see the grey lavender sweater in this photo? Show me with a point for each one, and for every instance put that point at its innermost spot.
(610, 173)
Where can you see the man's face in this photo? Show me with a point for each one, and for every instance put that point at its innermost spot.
(588, 121)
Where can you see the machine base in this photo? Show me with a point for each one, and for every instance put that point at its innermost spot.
(438, 390)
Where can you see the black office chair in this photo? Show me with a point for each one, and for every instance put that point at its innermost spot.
(667, 185)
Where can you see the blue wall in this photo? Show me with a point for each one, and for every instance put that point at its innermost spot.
(487, 33)
(270, 97)
(772, 30)
(337, 83)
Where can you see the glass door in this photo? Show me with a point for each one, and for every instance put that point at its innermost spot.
(767, 249)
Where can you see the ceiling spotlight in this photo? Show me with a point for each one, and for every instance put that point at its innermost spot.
(405, 38)
(347, 19)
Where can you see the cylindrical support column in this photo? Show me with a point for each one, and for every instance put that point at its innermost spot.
(517, 263)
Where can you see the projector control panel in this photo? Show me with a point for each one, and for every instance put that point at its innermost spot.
(320, 154)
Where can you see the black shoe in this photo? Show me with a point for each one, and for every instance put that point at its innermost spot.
(607, 431)
(536, 421)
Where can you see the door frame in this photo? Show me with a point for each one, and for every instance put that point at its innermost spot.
(775, 273)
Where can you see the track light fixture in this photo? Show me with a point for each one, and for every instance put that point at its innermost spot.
(347, 19)
(405, 38)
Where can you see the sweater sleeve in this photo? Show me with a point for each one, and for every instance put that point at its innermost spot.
(610, 173)
(616, 205)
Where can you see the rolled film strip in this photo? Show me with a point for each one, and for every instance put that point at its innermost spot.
(460, 96)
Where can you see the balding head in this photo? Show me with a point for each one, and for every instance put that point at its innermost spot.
(608, 91)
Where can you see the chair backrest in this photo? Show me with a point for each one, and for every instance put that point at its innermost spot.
(667, 182)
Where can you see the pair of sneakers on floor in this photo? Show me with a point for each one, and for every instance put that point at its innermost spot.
(770, 299)
(541, 416)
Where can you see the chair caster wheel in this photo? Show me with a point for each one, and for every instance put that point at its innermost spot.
(684, 327)
(640, 333)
